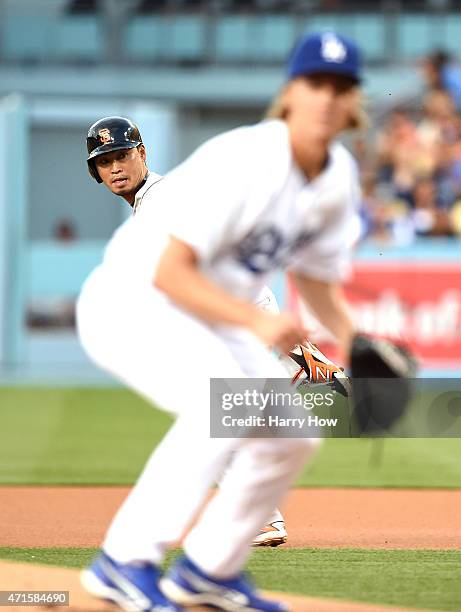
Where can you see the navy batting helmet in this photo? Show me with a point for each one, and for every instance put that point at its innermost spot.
(110, 134)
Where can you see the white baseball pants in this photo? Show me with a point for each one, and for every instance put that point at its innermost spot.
(168, 357)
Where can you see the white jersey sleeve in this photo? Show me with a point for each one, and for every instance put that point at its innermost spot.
(205, 202)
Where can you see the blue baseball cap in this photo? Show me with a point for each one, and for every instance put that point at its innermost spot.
(325, 52)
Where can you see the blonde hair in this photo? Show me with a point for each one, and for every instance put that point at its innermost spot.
(359, 119)
(277, 108)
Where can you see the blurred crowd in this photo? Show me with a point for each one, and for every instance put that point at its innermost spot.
(411, 169)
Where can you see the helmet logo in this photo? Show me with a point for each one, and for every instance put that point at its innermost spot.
(333, 49)
(104, 136)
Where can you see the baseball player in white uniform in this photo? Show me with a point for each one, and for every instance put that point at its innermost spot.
(246, 203)
(117, 157)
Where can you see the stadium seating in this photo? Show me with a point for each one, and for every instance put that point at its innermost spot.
(258, 31)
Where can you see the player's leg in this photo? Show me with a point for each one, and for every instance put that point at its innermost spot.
(170, 491)
(218, 545)
(143, 527)
(147, 355)
(151, 356)
(168, 357)
(263, 470)
(210, 573)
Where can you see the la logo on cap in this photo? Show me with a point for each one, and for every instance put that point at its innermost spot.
(333, 49)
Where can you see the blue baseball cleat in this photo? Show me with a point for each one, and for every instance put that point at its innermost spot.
(187, 585)
(132, 586)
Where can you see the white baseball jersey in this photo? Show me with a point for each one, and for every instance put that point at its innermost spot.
(243, 205)
(265, 300)
(145, 192)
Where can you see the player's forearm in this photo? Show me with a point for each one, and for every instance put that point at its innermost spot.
(327, 302)
(199, 296)
(337, 320)
(182, 281)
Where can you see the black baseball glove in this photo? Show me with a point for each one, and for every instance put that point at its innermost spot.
(381, 382)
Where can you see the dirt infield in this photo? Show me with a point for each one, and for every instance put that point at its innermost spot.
(16, 576)
(362, 518)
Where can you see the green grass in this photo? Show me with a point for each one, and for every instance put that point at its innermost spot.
(75, 436)
(419, 579)
(410, 462)
(104, 436)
